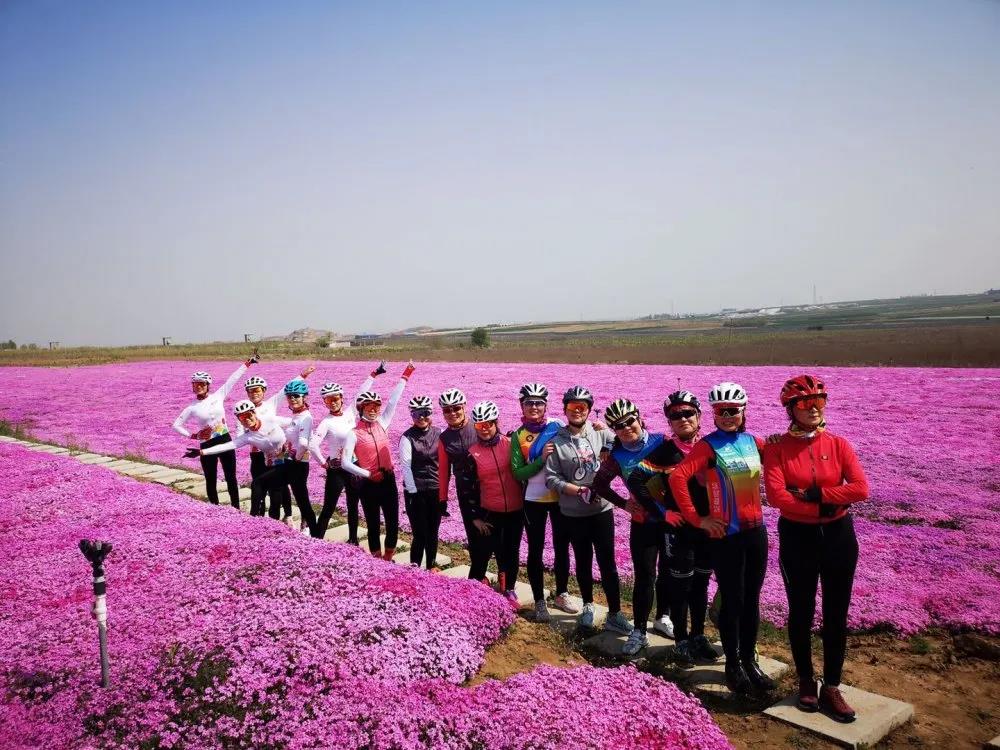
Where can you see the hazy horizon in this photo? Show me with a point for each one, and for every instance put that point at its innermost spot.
(201, 172)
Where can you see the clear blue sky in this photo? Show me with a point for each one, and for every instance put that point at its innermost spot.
(202, 170)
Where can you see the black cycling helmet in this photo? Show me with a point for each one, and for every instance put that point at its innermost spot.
(681, 398)
(578, 393)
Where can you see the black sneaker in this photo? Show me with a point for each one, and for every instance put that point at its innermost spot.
(702, 649)
(757, 677)
(682, 653)
(737, 680)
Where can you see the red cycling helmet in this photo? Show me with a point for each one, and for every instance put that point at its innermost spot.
(801, 386)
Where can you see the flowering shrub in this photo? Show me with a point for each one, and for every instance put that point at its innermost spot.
(934, 488)
(227, 630)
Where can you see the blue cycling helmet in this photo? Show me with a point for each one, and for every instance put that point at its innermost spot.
(297, 387)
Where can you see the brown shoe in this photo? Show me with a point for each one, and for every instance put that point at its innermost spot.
(807, 695)
(387, 555)
(831, 701)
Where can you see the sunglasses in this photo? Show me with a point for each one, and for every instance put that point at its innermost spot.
(819, 402)
(420, 413)
(484, 425)
(627, 422)
(293, 395)
(577, 406)
(729, 411)
(686, 414)
(538, 404)
(452, 409)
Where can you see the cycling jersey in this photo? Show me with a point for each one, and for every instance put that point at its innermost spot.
(453, 457)
(731, 465)
(621, 462)
(269, 439)
(333, 429)
(368, 443)
(822, 460)
(418, 455)
(498, 489)
(648, 482)
(526, 440)
(209, 411)
(298, 429)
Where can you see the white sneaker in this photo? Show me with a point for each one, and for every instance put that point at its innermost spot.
(618, 623)
(564, 603)
(635, 643)
(542, 612)
(586, 618)
(664, 626)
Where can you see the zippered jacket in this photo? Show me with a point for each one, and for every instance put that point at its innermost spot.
(497, 488)
(824, 460)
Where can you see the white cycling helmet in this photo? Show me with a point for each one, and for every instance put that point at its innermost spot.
(331, 389)
(421, 402)
(242, 407)
(201, 377)
(727, 393)
(368, 397)
(452, 397)
(255, 382)
(485, 411)
(535, 391)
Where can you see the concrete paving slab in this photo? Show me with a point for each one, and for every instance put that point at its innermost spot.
(403, 558)
(93, 458)
(462, 571)
(339, 533)
(994, 743)
(168, 477)
(120, 463)
(54, 449)
(7, 439)
(877, 717)
(711, 678)
(610, 642)
(140, 470)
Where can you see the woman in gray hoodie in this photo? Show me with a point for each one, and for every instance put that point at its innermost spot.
(570, 472)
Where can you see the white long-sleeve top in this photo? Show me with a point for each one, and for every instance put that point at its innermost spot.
(268, 407)
(298, 429)
(269, 438)
(406, 461)
(333, 430)
(384, 419)
(209, 411)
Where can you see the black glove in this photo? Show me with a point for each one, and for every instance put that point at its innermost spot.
(827, 510)
(814, 494)
(408, 498)
(443, 507)
(254, 358)
(380, 370)
(192, 453)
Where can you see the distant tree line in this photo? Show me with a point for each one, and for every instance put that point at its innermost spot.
(8, 344)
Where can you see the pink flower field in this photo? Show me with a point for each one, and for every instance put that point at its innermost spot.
(928, 439)
(230, 631)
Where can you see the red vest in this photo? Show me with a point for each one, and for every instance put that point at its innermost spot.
(372, 449)
(499, 491)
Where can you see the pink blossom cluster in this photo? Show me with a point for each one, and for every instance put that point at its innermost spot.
(227, 630)
(926, 437)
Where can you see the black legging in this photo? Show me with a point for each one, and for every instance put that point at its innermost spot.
(271, 481)
(504, 543)
(297, 473)
(480, 547)
(424, 512)
(649, 561)
(380, 498)
(592, 535)
(258, 465)
(535, 514)
(209, 465)
(740, 563)
(809, 553)
(689, 561)
(337, 481)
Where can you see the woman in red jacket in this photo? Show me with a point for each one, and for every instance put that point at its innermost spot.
(498, 499)
(812, 476)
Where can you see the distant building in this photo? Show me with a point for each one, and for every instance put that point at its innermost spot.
(366, 339)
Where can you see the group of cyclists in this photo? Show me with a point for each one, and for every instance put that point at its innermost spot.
(693, 499)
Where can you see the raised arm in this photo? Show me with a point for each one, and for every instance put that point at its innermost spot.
(231, 381)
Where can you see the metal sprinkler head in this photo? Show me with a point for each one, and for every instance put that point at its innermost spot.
(95, 551)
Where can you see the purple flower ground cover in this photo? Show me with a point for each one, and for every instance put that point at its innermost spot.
(928, 439)
(233, 631)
